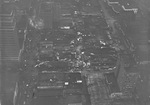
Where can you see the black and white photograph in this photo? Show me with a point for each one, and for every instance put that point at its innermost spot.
(74, 52)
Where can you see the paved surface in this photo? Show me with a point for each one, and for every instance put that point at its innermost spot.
(9, 49)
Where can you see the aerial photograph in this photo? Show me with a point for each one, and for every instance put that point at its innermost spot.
(74, 52)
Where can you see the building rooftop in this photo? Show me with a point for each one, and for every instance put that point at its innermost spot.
(116, 7)
(135, 10)
(125, 5)
(113, 1)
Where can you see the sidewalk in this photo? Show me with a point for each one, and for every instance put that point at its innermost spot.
(9, 40)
